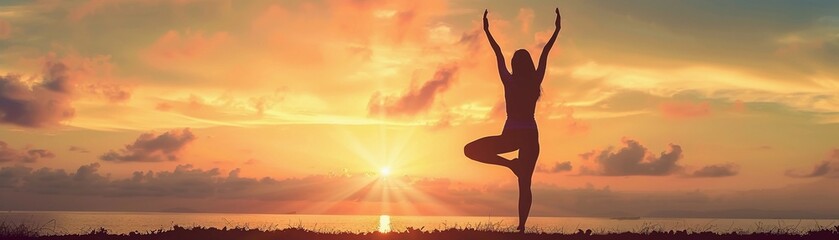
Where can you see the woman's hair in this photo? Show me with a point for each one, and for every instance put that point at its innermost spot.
(523, 64)
(523, 68)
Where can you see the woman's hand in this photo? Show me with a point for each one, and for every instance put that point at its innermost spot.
(543, 60)
(486, 22)
(558, 19)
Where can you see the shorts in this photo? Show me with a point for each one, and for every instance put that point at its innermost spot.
(518, 123)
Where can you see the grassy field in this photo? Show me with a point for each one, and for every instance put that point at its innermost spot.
(22, 232)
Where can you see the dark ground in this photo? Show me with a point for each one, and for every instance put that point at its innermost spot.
(459, 234)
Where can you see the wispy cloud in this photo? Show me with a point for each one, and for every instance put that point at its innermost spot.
(415, 100)
(557, 167)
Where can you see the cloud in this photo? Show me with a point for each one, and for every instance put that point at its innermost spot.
(42, 104)
(685, 109)
(719, 170)
(188, 182)
(558, 167)
(78, 149)
(231, 192)
(114, 93)
(185, 181)
(25, 155)
(632, 159)
(45, 99)
(88, 77)
(444, 122)
(84, 181)
(150, 148)
(525, 17)
(11, 177)
(35, 154)
(415, 100)
(267, 102)
(821, 169)
(472, 40)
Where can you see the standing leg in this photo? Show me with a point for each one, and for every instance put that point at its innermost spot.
(525, 200)
(486, 149)
(523, 167)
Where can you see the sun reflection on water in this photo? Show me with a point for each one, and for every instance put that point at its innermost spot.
(384, 223)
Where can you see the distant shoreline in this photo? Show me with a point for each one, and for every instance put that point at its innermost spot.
(660, 215)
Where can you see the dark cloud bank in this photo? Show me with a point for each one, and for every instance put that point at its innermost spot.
(25, 188)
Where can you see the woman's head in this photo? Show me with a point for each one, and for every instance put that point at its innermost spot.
(524, 72)
(523, 65)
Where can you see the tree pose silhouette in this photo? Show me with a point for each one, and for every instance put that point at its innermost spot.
(522, 89)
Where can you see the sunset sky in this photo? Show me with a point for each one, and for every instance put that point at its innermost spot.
(723, 108)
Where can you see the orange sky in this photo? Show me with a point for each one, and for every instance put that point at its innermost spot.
(281, 106)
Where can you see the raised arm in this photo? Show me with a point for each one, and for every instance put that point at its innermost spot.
(502, 66)
(543, 60)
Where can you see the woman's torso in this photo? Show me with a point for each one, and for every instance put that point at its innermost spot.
(521, 99)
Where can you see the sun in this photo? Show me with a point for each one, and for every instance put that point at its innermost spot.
(385, 171)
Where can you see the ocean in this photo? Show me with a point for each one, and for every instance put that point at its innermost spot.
(56, 223)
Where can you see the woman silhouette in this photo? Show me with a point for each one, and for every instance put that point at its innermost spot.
(521, 91)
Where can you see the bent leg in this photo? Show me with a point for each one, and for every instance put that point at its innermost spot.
(486, 149)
